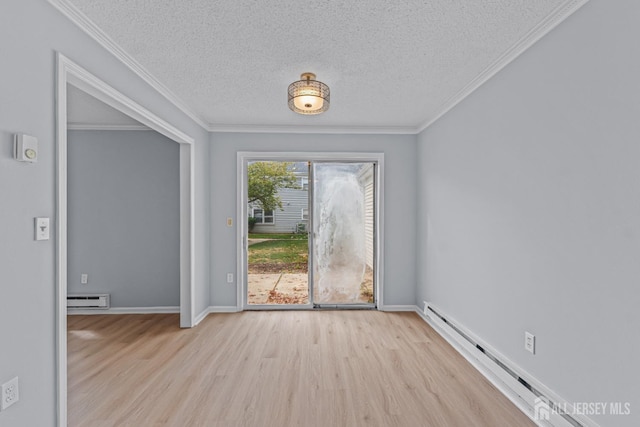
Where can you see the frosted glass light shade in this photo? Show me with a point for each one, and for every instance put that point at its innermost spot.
(308, 96)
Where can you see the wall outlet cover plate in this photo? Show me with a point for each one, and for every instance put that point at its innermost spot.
(10, 393)
(530, 342)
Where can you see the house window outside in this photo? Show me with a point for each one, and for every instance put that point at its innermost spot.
(305, 214)
(263, 217)
(304, 183)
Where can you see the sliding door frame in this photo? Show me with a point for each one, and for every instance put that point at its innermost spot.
(312, 227)
(244, 157)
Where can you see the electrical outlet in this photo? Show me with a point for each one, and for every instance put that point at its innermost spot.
(229, 277)
(84, 278)
(530, 342)
(10, 393)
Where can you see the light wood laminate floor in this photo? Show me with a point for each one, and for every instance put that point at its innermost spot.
(274, 368)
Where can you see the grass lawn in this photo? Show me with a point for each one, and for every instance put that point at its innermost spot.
(290, 254)
(285, 255)
(290, 236)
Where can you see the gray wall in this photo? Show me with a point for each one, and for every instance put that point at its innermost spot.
(530, 188)
(532, 192)
(124, 216)
(27, 267)
(399, 207)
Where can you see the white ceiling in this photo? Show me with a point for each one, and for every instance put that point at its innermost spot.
(390, 65)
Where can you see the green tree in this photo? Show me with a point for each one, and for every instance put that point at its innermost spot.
(265, 179)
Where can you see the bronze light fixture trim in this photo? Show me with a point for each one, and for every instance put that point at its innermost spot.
(308, 95)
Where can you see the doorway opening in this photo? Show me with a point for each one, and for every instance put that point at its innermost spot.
(310, 230)
(70, 73)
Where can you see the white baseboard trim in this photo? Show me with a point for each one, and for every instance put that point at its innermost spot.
(215, 309)
(200, 317)
(223, 309)
(397, 308)
(123, 310)
(521, 396)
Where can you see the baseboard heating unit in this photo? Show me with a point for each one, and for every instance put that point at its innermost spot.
(536, 400)
(89, 301)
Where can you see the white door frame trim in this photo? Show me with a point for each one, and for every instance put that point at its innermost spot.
(71, 73)
(241, 209)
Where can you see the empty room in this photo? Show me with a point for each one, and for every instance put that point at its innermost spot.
(218, 213)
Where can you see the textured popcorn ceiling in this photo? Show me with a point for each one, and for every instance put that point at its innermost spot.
(387, 63)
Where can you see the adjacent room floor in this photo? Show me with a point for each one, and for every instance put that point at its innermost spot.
(274, 368)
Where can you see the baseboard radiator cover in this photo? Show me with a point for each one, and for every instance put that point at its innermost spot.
(553, 408)
(89, 301)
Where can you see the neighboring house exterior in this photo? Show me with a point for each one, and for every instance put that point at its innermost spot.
(294, 215)
(367, 179)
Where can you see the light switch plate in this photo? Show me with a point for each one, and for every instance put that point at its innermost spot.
(42, 228)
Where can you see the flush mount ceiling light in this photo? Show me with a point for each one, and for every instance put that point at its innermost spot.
(308, 96)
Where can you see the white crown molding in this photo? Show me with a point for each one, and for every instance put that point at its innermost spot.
(561, 13)
(378, 130)
(89, 27)
(552, 20)
(89, 126)
(87, 82)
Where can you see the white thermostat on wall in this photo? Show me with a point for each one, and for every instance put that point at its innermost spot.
(25, 148)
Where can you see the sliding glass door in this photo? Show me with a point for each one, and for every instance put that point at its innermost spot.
(311, 243)
(343, 232)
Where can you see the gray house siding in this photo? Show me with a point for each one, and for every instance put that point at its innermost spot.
(366, 178)
(287, 219)
(294, 201)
